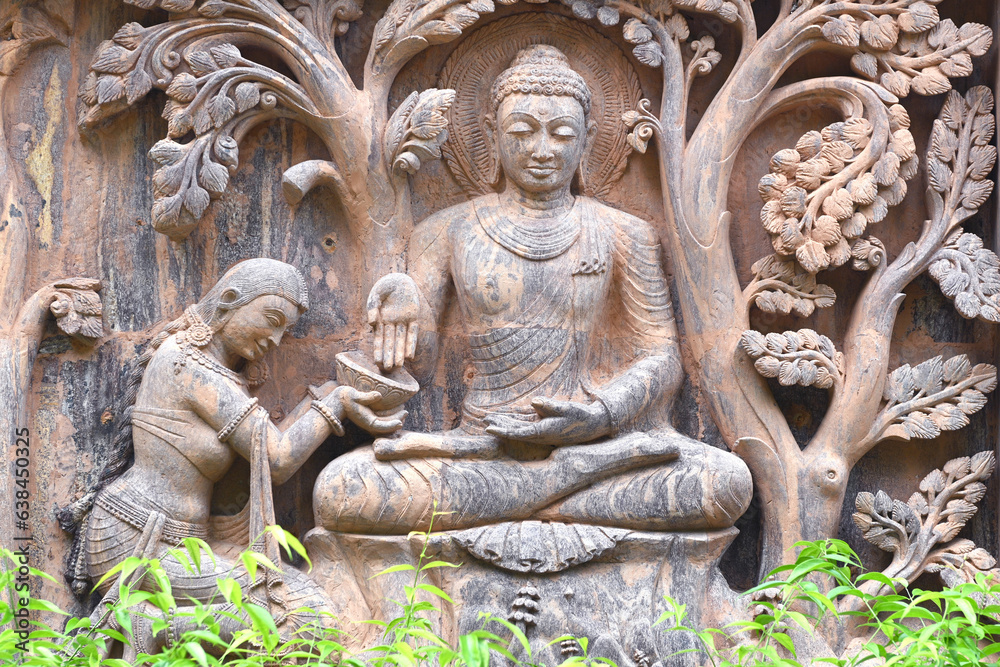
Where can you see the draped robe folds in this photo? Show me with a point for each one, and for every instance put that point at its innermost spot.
(576, 309)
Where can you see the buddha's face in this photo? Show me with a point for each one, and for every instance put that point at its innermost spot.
(254, 329)
(541, 140)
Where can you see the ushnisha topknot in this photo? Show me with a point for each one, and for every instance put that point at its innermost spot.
(541, 70)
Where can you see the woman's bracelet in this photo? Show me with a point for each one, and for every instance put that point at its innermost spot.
(234, 423)
(331, 419)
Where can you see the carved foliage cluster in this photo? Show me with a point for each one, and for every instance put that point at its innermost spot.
(934, 396)
(417, 129)
(960, 156)
(408, 27)
(909, 50)
(970, 274)
(801, 357)
(213, 94)
(820, 197)
(933, 516)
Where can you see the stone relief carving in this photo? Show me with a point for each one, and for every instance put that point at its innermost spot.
(550, 408)
(563, 470)
(190, 415)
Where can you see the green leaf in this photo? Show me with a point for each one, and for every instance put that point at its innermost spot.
(197, 652)
(404, 567)
(434, 590)
(471, 651)
(439, 563)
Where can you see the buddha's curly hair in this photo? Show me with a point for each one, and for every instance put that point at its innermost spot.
(541, 70)
(241, 284)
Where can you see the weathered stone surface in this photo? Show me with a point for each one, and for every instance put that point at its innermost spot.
(323, 184)
(613, 599)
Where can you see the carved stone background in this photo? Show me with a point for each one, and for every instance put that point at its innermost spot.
(85, 201)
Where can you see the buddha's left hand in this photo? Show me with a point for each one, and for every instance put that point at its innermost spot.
(560, 423)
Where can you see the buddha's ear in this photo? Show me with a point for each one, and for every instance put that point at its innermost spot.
(587, 146)
(490, 132)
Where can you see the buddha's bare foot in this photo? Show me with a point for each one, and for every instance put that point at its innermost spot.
(625, 452)
(450, 444)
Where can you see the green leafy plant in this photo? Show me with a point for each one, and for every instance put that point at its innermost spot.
(908, 627)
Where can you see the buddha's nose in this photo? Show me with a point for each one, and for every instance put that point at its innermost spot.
(543, 151)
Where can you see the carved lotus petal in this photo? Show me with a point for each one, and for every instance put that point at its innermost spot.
(537, 546)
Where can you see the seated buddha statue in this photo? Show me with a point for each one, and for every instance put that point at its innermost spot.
(573, 348)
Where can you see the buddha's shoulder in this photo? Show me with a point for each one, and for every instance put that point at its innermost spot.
(452, 219)
(623, 223)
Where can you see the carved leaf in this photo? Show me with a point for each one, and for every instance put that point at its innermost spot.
(918, 18)
(247, 96)
(112, 59)
(221, 108)
(842, 31)
(196, 200)
(129, 35)
(438, 32)
(226, 55)
(201, 62)
(137, 84)
(422, 122)
(648, 53)
(214, 178)
(636, 32)
(109, 89)
(183, 88)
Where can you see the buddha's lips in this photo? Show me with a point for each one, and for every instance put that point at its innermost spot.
(541, 171)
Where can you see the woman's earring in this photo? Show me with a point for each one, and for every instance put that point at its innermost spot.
(257, 372)
(197, 333)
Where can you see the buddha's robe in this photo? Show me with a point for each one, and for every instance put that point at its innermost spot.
(575, 309)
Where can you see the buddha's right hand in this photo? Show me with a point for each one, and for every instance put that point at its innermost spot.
(393, 308)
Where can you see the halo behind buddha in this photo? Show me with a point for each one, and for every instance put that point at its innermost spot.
(474, 66)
